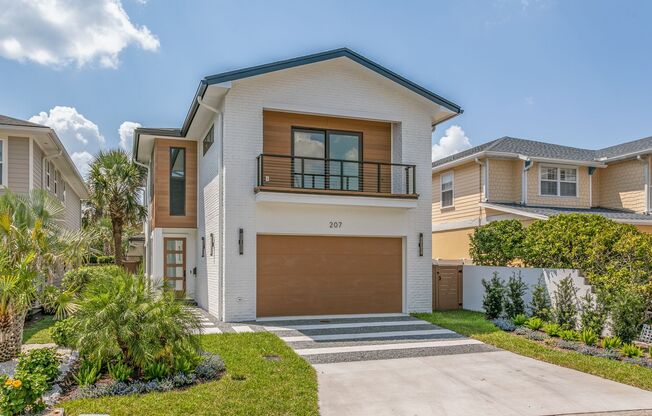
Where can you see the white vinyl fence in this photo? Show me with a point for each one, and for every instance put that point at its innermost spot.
(473, 291)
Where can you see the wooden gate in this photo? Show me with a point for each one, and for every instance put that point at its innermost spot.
(446, 287)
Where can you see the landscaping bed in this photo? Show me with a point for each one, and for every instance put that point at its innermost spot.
(474, 325)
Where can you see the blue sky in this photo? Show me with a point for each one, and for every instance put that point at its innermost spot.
(569, 72)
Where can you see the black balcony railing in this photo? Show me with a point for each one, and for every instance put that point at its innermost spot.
(298, 172)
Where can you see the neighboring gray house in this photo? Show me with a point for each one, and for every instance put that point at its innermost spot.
(33, 157)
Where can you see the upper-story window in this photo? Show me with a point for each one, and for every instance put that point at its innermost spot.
(47, 174)
(310, 148)
(3, 162)
(447, 189)
(209, 139)
(558, 181)
(177, 181)
(56, 182)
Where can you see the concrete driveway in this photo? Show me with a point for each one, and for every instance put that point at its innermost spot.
(398, 365)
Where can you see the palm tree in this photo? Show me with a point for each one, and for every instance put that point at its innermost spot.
(115, 183)
(34, 247)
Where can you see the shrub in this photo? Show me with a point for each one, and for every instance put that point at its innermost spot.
(498, 243)
(612, 343)
(504, 324)
(565, 309)
(540, 304)
(63, 333)
(536, 336)
(553, 330)
(594, 314)
(514, 291)
(631, 351)
(627, 314)
(22, 394)
(520, 319)
(119, 371)
(156, 370)
(588, 337)
(210, 367)
(114, 310)
(534, 323)
(76, 280)
(569, 335)
(492, 302)
(89, 372)
(186, 363)
(43, 361)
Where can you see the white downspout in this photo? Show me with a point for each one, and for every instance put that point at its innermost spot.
(646, 177)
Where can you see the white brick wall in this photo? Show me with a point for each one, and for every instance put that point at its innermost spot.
(337, 87)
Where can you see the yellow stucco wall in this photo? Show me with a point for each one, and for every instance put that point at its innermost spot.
(451, 245)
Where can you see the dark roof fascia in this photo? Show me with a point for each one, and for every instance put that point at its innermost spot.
(153, 132)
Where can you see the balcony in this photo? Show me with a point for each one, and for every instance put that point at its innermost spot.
(309, 175)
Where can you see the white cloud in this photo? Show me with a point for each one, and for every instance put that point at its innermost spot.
(453, 141)
(71, 126)
(58, 33)
(82, 161)
(126, 132)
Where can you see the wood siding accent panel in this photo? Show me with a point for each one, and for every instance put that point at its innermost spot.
(310, 275)
(376, 144)
(161, 217)
(622, 186)
(467, 193)
(18, 160)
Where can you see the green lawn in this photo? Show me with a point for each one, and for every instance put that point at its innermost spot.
(37, 332)
(284, 387)
(474, 325)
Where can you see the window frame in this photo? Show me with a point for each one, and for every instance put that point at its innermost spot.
(56, 182)
(46, 168)
(4, 161)
(441, 190)
(559, 181)
(185, 174)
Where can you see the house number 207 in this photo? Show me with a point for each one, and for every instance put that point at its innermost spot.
(335, 224)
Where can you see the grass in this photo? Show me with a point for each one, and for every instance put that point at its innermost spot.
(474, 325)
(38, 331)
(252, 385)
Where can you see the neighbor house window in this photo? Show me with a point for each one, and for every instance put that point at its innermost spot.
(447, 190)
(64, 191)
(209, 139)
(56, 181)
(47, 174)
(3, 163)
(558, 181)
(177, 181)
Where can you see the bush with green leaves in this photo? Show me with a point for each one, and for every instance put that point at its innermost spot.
(515, 290)
(22, 393)
(569, 335)
(88, 373)
(588, 337)
(552, 329)
(520, 319)
(540, 304)
(627, 314)
(492, 302)
(77, 279)
(63, 333)
(119, 371)
(565, 308)
(612, 343)
(156, 370)
(121, 318)
(498, 243)
(631, 351)
(534, 323)
(593, 314)
(44, 361)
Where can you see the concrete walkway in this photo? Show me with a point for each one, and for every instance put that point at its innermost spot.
(486, 383)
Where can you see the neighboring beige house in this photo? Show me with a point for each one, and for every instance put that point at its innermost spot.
(299, 187)
(511, 178)
(33, 157)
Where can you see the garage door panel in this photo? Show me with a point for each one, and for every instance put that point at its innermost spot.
(310, 275)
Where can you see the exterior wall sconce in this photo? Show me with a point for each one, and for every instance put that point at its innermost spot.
(241, 241)
(212, 245)
(420, 244)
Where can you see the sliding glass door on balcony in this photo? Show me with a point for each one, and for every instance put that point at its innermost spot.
(324, 159)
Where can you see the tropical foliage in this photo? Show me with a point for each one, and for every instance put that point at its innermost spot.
(115, 184)
(498, 243)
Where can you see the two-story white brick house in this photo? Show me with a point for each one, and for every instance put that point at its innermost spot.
(300, 187)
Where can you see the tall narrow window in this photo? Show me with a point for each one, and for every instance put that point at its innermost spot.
(447, 190)
(3, 179)
(209, 139)
(47, 174)
(56, 182)
(177, 181)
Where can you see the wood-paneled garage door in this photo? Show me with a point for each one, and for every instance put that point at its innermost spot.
(311, 275)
